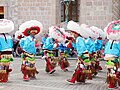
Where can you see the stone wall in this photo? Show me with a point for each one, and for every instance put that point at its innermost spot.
(41, 10)
(48, 12)
(1, 2)
(96, 12)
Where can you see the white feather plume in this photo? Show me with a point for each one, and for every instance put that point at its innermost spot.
(86, 32)
(29, 24)
(54, 34)
(6, 26)
(73, 26)
(98, 32)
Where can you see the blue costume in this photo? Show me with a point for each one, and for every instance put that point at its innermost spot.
(61, 47)
(28, 45)
(80, 46)
(74, 45)
(48, 44)
(6, 44)
(114, 50)
(98, 44)
(90, 45)
(43, 40)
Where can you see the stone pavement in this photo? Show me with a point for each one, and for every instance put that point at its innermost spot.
(57, 81)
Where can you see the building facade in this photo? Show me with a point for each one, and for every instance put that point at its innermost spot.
(52, 12)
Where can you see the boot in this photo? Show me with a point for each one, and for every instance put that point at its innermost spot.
(62, 65)
(111, 86)
(25, 78)
(73, 79)
(49, 66)
(4, 78)
(51, 72)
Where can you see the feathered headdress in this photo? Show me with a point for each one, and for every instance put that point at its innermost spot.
(27, 26)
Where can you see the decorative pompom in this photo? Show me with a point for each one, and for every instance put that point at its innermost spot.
(18, 35)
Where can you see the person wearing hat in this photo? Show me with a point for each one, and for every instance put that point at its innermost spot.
(74, 28)
(29, 29)
(112, 52)
(64, 49)
(48, 55)
(55, 35)
(6, 44)
(63, 62)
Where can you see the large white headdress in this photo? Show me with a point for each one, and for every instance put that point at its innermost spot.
(6, 26)
(112, 30)
(29, 25)
(57, 33)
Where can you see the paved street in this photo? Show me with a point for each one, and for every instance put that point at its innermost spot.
(57, 81)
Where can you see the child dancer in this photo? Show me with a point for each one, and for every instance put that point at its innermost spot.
(48, 55)
(112, 50)
(6, 43)
(63, 62)
(29, 29)
(78, 75)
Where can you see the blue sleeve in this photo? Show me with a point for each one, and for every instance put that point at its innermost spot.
(98, 44)
(106, 48)
(74, 45)
(43, 40)
(0, 46)
(90, 45)
(119, 48)
(21, 43)
(48, 44)
(80, 46)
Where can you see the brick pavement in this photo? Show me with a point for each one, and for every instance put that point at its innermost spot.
(57, 81)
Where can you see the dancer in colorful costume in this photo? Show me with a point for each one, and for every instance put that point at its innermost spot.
(112, 48)
(90, 45)
(48, 47)
(58, 34)
(48, 55)
(79, 75)
(99, 41)
(63, 62)
(29, 29)
(6, 44)
(98, 45)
